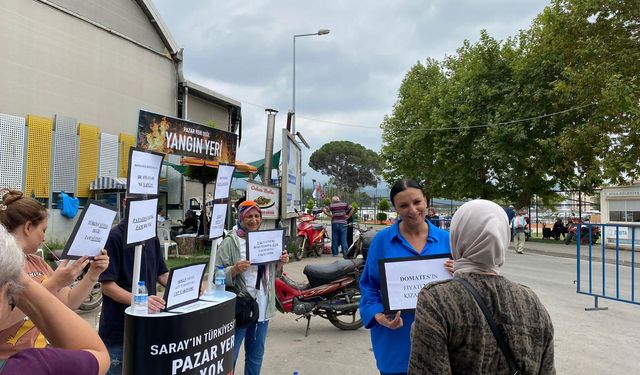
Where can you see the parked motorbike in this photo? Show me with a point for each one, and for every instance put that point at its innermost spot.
(585, 239)
(331, 292)
(311, 236)
(355, 249)
(94, 299)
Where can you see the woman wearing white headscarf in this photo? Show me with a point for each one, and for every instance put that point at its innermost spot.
(451, 335)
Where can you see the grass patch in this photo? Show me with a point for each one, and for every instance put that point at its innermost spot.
(183, 261)
(55, 245)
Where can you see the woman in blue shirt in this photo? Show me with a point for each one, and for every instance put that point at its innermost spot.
(410, 236)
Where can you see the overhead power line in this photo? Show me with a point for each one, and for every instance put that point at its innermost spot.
(505, 122)
(443, 129)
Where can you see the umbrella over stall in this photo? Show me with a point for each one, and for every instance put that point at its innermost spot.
(206, 172)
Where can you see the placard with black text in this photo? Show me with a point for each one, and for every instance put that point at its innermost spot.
(141, 220)
(265, 246)
(401, 279)
(91, 231)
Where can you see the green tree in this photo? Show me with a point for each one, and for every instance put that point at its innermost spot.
(591, 49)
(452, 127)
(384, 205)
(350, 165)
(310, 203)
(355, 207)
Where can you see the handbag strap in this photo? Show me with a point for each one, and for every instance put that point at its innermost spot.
(497, 332)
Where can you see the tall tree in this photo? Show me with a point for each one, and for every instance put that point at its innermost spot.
(350, 164)
(578, 62)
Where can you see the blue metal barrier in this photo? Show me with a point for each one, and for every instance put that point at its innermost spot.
(441, 223)
(614, 239)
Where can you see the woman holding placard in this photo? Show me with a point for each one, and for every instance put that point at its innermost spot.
(451, 334)
(411, 235)
(76, 346)
(256, 281)
(26, 219)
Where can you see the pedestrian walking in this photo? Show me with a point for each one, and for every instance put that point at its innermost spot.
(518, 227)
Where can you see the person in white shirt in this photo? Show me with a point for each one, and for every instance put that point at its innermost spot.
(519, 226)
(258, 281)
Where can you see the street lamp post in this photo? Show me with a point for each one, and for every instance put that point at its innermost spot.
(293, 108)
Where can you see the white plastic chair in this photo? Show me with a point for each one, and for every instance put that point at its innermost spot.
(165, 239)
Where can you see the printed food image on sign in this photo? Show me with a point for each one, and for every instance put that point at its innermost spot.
(264, 202)
(168, 135)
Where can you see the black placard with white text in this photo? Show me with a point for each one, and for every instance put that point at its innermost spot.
(196, 342)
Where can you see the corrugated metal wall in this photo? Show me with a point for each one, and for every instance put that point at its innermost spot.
(126, 142)
(65, 155)
(108, 155)
(12, 132)
(88, 153)
(39, 139)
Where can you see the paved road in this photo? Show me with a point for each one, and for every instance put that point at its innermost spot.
(586, 342)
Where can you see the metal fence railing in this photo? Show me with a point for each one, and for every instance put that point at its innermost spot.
(607, 268)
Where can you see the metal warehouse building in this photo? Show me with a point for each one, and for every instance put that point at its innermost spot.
(74, 74)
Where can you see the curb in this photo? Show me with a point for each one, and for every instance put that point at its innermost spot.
(573, 256)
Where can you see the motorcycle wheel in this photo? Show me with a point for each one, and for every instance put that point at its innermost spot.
(300, 246)
(346, 321)
(318, 248)
(93, 300)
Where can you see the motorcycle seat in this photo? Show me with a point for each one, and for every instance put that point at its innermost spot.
(319, 274)
(317, 226)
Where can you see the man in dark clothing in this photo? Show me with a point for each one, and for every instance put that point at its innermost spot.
(116, 283)
(558, 229)
(189, 226)
(511, 213)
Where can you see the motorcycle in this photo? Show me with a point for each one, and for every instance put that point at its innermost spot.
(94, 299)
(584, 233)
(331, 292)
(356, 248)
(311, 236)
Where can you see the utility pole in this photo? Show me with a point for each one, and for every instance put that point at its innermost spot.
(268, 149)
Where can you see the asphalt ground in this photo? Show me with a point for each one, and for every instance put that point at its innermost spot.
(586, 342)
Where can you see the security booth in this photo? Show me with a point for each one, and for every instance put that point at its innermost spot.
(620, 207)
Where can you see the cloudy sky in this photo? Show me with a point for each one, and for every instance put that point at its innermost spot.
(346, 81)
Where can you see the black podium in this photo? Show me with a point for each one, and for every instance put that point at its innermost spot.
(197, 339)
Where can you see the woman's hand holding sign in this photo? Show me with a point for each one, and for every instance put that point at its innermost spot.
(385, 320)
(448, 265)
(66, 273)
(98, 265)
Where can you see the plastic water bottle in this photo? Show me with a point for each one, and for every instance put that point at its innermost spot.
(140, 299)
(220, 280)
